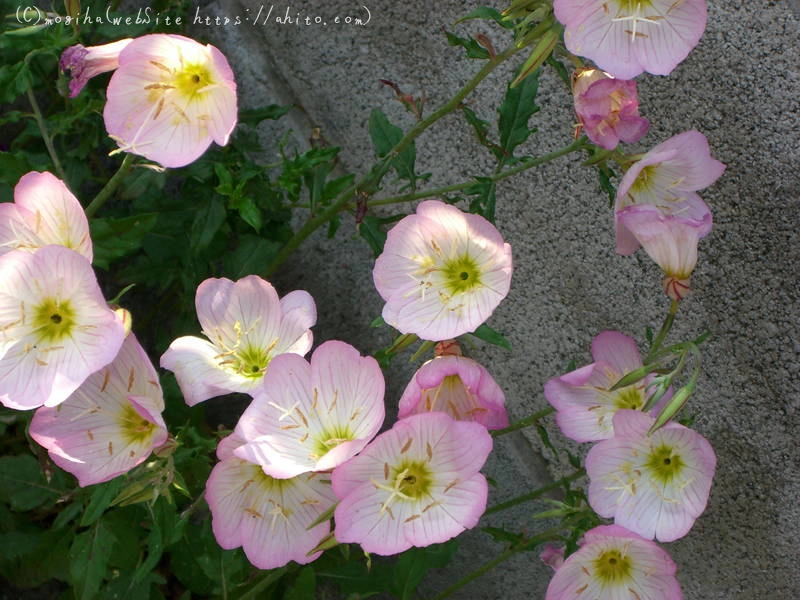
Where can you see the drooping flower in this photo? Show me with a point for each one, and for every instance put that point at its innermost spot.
(552, 555)
(414, 485)
(267, 517)
(655, 485)
(442, 272)
(627, 37)
(582, 399)
(248, 326)
(669, 240)
(55, 327)
(612, 563)
(313, 417)
(170, 98)
(608, 108)
(459, 386)
(44, 212)
(84, 63)
(668, 177)
(110, 424)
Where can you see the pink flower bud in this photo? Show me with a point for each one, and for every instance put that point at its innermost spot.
(608, 108)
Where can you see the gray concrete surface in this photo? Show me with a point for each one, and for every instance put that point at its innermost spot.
(740, 88)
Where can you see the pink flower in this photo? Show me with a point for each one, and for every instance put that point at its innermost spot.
(627, 37)
(169, 98)
(442, 272)
(55, 327)
(581, 398)
(607, 108)
(668, 177)
(669, 240)
(458, 386)
(248, 326)
(313, 417)
(267, 517)
(655, 485)
(44, 212)
(110, 424)
(552, 555)
(84, 63)
(414, 485)
(613, 562)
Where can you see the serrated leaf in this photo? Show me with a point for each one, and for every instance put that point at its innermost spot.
(250, 257)
(385, 136)
(209, 218)
(487, 12)
(473, 48)
(371, 231)
(516, 110)
(487, 334)
(485, 197)
(114, 238)
(254, 116)
(481, 129)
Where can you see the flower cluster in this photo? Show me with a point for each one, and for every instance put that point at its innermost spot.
(63, 350)
(169, 96)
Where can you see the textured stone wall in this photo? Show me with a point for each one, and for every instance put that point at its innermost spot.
(740, 88)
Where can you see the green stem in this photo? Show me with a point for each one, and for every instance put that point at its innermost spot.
(48, 142)
(662, 334)
(535, 493)
(526, 422)
(374, 176)
(110, 187)
(545, 536)
(524, 165)
(263, 582)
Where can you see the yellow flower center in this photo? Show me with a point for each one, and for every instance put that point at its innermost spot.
(645, 180)
(629, 6)
(461, 275)
(190, 80)
(612, 567)
(630, 397)
(135, 428)
(330, 438)
(53, 320)
(663, 464)
(412, 479)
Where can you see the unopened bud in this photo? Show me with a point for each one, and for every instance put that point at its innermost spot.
(676, 288)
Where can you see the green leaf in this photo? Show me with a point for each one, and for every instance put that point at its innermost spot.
(502, 535)
(370, 230)
(545, 437)
(304, 586)
(22, 484)
(30, 557)
(487, 334)
(89, 556)
(250, 257)
(254, 116)
(484, 202)
(515, 112)
(248, 211)
(487, 12)
(386, 136)
(414, 564)
(101, 498)
(481, 128)
(208, 220)
(114, 238)
(473, 48)
(604, 175)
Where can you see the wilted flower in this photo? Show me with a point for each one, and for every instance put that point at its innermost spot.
(613, 562)
(110, 424)
(608, 108)
(627, 37)
(313, 417)
(44, 212)
(248, 326)
(169, 98)
(655, 484)
(55, 327)
(442, 272)
(414, 485)
(552, 555)
(84, 63)
(669, 240)
(582, 398)
(668, 177)
(459, 386)
(267, 517)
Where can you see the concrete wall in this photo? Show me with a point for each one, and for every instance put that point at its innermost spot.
(738, 87)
